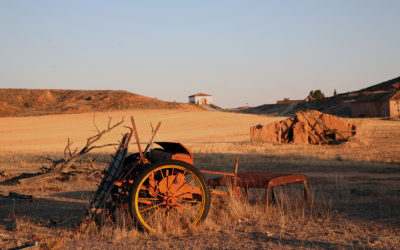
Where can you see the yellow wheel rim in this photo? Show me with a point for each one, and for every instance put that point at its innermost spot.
(169, 196)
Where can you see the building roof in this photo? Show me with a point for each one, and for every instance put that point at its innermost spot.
(386, 86)
(288, 101)
(199, 94)
(378, 96)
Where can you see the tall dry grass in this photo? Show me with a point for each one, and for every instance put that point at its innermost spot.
(236, 223)
(324, 221)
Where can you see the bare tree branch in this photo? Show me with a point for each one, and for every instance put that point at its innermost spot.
(94, 122)
(92, 163)
(64, 164)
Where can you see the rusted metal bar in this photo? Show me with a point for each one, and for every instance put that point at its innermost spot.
(286, 179)
(306, 192)
(224, 173)
(219, 192)
(260, 180)
(142, 159)
(137, 139)
(236, 165)
(217, 173)
(152, 137)
(235, 187)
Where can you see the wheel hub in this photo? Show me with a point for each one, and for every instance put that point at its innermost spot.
(171, 201)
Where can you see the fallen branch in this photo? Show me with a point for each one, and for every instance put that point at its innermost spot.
(64, 164)
(64, 167)
(41, 177)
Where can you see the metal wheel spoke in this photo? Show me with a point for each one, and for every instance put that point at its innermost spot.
(152, 215)
(192, 201)
(162, 175)
(148, 208)
(184, 174)
(176, 217)
(148, 199)
(183, 194)
(166, 222)
(186, 208)
(157, 193)
(184, 184)
(163, 196)
(183, 215)
(168, 188)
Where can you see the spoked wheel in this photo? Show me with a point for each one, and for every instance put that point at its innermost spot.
(168, 196)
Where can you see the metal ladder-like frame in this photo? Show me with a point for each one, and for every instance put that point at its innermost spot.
(111, 174)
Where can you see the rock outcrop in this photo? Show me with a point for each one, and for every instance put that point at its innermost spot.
(310, 127)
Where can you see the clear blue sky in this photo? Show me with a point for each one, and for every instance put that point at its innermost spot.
(242, 52)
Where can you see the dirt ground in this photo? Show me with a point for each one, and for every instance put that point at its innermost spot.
(355, 187)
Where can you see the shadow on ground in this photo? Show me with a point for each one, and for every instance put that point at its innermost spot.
(45, 212)
(362, 191)
(358, 190)
(296, 243)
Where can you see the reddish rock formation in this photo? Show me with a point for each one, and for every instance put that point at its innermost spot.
(305, 127)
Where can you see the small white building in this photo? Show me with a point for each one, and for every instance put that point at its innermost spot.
(201, 99)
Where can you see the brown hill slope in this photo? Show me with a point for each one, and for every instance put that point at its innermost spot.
(337, 105)
(29, 102)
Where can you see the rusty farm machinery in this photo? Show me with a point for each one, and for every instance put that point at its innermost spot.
(162, 189)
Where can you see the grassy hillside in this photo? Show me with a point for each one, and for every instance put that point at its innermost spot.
(337, 105)
(29, 102)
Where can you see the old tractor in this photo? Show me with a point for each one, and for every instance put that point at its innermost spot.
(161, 187)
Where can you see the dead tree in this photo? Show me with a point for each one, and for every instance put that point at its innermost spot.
(64, 164)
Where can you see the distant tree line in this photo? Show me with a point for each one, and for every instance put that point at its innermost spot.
(317, 94)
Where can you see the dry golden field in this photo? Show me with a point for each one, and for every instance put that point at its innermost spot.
(49, 133)
(355, 187)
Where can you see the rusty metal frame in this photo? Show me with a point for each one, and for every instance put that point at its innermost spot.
(286, 179)
(248, 180)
